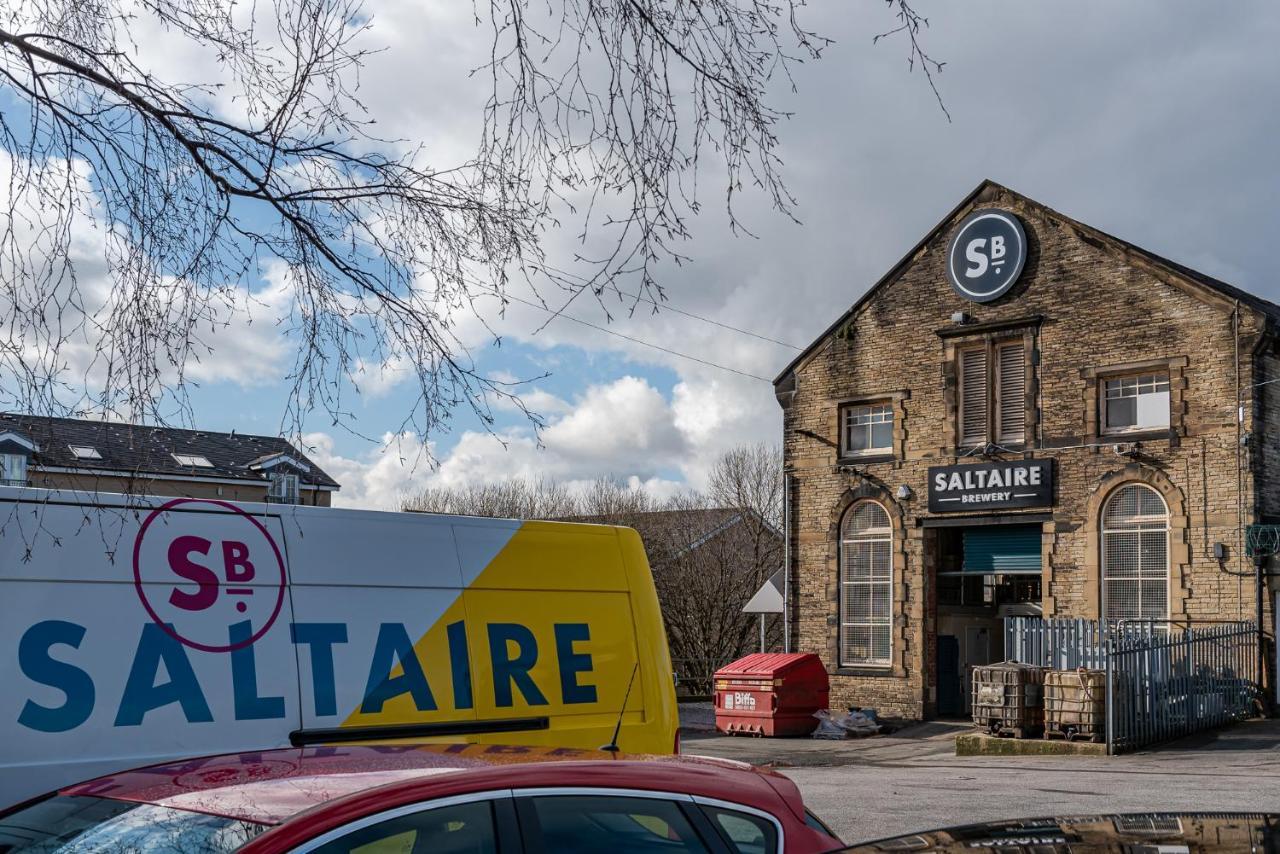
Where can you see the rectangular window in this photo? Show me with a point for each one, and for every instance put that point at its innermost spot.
(192, 460)
(283, 488)
(867, 429)
(1135, 403)
(84, 452)
(992, 393)
(15, 469)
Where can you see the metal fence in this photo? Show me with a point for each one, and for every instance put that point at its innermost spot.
(694, 676)
(1163, 681)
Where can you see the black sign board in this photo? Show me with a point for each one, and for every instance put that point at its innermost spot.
(991, 486)
(986, 255)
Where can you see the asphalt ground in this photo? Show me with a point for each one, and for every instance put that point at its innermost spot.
(912, 780)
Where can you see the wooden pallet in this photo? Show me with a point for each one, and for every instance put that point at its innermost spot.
(1071, 734)
(1012, 731)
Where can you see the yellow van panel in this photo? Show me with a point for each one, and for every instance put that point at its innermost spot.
(556, 556)
(558, 654)
(554, 627)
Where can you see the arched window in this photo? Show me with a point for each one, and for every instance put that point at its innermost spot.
(1135, 555)
(866, 586)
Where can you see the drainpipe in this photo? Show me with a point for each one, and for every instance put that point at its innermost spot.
(1235, 322)
(1260, 563)
(786, 561)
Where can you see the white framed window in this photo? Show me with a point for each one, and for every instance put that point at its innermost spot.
(866, 429)
(1135, 555)
(84, 452)
(992, 393)
(14, 469)
(283, 488)
(866, 586)
(192, 461)
(1135, 403)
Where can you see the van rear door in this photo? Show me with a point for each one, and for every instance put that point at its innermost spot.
(552, 635)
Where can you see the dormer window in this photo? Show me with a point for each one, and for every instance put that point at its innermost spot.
(283, 488)
(14, 469)
(15, 454)
(194, 461)
(84, 452)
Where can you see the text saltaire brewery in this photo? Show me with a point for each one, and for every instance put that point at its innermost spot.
(969, 487)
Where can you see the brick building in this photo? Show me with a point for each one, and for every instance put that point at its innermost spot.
(87, 457)
(1025, 416)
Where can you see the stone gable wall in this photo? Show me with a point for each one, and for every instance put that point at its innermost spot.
(1084, 307)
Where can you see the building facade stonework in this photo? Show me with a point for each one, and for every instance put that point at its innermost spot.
(1136, 377)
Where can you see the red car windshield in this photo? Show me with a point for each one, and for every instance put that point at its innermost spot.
(84, 825)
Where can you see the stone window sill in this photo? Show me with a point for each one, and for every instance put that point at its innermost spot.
(886, 670)
(864, 459)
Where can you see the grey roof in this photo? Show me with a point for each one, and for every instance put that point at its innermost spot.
(141, 449)
(1266, 307)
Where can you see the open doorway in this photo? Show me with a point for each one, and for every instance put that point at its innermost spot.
(984, 574)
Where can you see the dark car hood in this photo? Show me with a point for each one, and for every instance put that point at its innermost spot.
(1130, 832)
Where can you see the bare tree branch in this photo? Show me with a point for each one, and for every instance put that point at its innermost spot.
(143, 215)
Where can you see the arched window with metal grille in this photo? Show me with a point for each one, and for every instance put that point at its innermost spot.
(866, 586)
(1135, 555)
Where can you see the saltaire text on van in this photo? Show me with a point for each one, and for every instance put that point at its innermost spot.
(162, 674)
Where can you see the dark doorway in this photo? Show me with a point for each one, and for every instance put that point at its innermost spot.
(984, 574)
(950, 696)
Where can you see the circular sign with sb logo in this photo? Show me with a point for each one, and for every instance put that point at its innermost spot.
(208, 573)
(986, 255)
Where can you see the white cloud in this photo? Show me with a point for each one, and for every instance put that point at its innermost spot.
(1161, 117)
(624, 429)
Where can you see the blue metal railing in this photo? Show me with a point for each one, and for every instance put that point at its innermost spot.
(1163, 680)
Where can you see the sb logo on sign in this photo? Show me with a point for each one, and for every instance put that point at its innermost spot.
(986, 255)
(977, 255)
(213, 580)
(237, 569)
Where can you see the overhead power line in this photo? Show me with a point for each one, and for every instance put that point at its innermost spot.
(635, 340)
(666, 307)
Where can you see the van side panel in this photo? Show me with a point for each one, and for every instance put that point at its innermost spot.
(101, 670)
(378, 599)
(135, 631)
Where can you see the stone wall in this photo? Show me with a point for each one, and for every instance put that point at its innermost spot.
(1086, 305)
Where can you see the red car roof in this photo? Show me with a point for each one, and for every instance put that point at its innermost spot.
(272, 786)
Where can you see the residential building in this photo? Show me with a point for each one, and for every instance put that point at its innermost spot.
(87, 456)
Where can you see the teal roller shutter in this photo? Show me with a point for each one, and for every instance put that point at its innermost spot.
(1002, 548)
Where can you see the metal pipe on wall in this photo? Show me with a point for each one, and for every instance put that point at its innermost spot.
(786, 561)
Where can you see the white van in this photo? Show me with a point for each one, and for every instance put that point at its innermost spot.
(134, 631)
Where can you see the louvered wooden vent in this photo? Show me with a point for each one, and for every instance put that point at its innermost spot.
(973, 397)
(1012, 393)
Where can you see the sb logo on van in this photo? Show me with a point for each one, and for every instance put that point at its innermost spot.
(214, 580)
(986, 255)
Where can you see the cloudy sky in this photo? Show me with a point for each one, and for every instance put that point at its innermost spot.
(1155, 121)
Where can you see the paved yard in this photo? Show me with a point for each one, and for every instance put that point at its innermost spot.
(912, 780)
